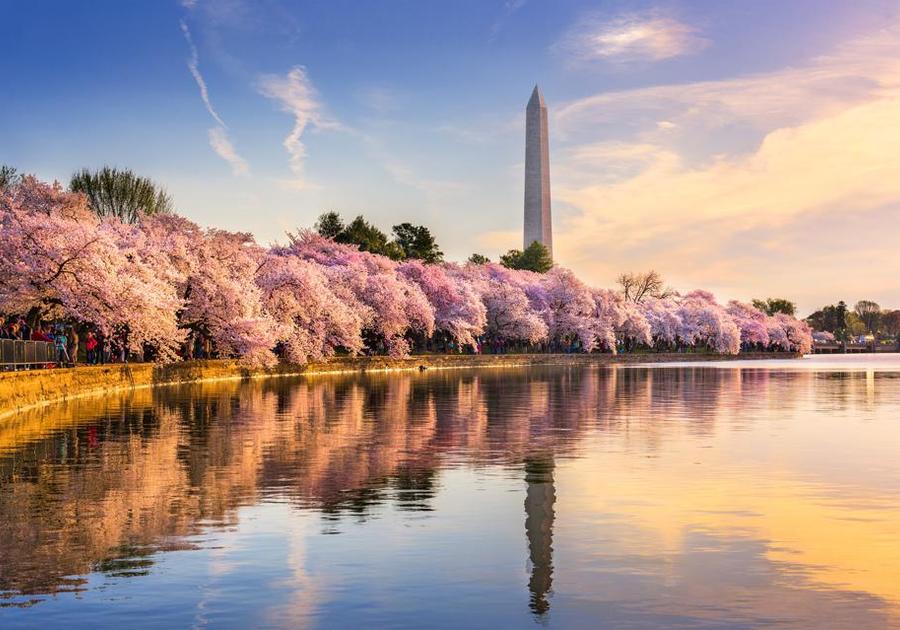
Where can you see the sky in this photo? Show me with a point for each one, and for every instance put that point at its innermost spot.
(747, 147)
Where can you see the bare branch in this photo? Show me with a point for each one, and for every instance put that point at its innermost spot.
(638, 286)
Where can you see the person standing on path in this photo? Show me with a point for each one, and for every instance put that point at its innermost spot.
(106, 353)
(91, 347)
(62, 343)
(73, 345)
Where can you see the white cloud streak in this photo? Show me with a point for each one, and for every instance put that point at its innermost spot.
(194, 66)
(218, 136)
(632, 38)
(221, 144)
(296, 95)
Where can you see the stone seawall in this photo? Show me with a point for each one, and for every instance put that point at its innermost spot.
(22, 390)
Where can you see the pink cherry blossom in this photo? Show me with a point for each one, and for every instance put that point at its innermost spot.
(566, 305)
(150, 284)
(620, 320)
(312, 321)
(705, 322)
(751, 322)
(510, 317)
(664, 320)
(391, 305)
(58, 260)
(458, 310)
(798, 333)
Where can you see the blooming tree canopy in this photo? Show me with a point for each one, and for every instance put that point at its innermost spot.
(312, 321)
(705, 322)
(663, 318)
(458, 310)
(752, 323)
(58, 259)
(158, 281)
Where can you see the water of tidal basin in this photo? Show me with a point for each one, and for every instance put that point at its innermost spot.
(734, 495)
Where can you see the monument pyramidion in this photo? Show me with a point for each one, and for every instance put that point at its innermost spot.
(538, 224)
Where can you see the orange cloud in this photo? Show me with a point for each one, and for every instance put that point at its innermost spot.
(817, 143)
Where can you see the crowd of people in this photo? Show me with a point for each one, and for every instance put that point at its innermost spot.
(73, 345)
(66, 342)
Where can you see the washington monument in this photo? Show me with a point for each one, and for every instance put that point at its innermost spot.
(538, 225)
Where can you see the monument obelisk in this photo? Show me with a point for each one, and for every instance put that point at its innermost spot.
(538, 226)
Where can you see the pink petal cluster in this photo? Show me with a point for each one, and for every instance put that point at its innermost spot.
(57, 257)
(166, 280)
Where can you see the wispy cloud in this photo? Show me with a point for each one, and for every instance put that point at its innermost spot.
(221, 144)
(854, 73)
(194, 66)
(296, 95)
(632, 37)
(218, 136)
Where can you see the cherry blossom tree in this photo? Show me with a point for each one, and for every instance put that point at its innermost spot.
(566, 305)
(798, 333)
(312, 321)
(151, 282)
(621, 320)
(58, 260)
(705, 322)
(223, 300)
(752, 323)
(510, 317)
(213, 272)
(778, 339)
(458, 310)
(391, 305)
(662, 315)
(607, 318)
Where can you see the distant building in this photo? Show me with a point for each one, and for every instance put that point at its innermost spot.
(538, 224)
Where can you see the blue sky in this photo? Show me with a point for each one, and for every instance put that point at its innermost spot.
(693, 137)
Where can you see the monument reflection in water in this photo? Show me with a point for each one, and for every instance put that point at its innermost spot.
(651, 496)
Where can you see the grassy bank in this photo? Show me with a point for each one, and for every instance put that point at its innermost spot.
(22, 390)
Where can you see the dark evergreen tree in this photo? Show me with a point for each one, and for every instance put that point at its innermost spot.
(536, 257)
(416, 241)
(776, 305)
(9, 176)
(369, 239)
(120, 193)
(329, 224)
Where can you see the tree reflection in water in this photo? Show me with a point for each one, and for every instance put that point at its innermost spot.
(103, 485)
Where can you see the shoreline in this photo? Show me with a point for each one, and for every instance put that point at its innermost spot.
(20, 391)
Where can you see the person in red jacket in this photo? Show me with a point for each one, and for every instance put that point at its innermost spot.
(38, 334)
(91, 346)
